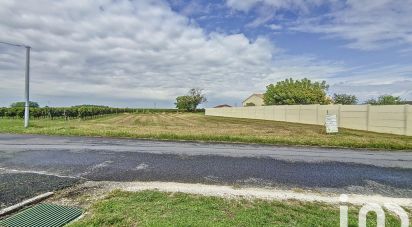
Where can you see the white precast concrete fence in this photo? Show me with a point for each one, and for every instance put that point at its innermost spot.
(394, 119)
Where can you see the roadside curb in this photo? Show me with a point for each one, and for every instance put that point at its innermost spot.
(20, 205)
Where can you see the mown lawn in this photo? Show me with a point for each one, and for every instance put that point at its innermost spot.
(198, 127)
(153, 208)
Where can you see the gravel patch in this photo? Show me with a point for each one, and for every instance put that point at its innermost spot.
(89, 192)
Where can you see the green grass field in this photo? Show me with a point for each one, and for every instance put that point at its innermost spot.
(198, 127)
(153, 208)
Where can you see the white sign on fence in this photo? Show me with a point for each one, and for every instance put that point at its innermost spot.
(331, 124)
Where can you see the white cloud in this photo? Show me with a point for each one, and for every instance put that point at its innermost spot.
(124, 50)
(365, 25)
(275, 27)
(299, 5)
(244, 5)
(128, 53)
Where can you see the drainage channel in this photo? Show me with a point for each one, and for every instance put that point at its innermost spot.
(43, 215)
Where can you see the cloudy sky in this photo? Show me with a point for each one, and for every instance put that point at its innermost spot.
(146, 52)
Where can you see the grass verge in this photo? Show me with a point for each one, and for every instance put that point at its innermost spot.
(154, 208)
(198, 127)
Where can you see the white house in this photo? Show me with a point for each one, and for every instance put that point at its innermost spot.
(254, 100)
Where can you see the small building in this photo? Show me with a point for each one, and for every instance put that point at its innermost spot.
(222, 106)
(254, 100)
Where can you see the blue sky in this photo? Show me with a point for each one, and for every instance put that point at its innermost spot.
(215, 16)
(145, 53)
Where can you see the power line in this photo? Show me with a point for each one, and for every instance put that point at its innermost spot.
(13, 44)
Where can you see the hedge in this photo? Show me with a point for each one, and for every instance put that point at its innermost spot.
(82, 112)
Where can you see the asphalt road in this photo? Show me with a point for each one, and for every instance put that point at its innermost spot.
(62, 161)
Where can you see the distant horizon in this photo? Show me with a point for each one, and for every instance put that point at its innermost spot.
(203, 105)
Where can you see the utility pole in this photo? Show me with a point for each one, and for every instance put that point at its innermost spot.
(26, 90)
(27, 81)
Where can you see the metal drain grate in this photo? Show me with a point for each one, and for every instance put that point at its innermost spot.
(49, 215)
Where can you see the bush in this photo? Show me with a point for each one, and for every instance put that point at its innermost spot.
(291, 92)
(345, 99)
(190, 101)
(386, 100)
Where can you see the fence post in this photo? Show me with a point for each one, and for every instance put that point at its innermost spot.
(406, 119)
(339, 115)
(368, 120)
(274, 113)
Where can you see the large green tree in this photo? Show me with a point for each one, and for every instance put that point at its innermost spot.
(22, 104)
(386, 100)
(190, 101)
(290, 92)
(344, 99)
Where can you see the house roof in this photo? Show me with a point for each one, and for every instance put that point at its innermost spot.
(254, 94)
(221, 106)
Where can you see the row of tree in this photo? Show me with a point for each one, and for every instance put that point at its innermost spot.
(82, 111)
(381, 100)
(290, 92)
(61, 112)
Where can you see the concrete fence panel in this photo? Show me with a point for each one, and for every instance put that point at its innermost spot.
(354, 116)
(268, 113)
(408, 120)
(280, 113)
(308, 114)
(395, 119)
(387, 119)
(292, 113)
(260, 112)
